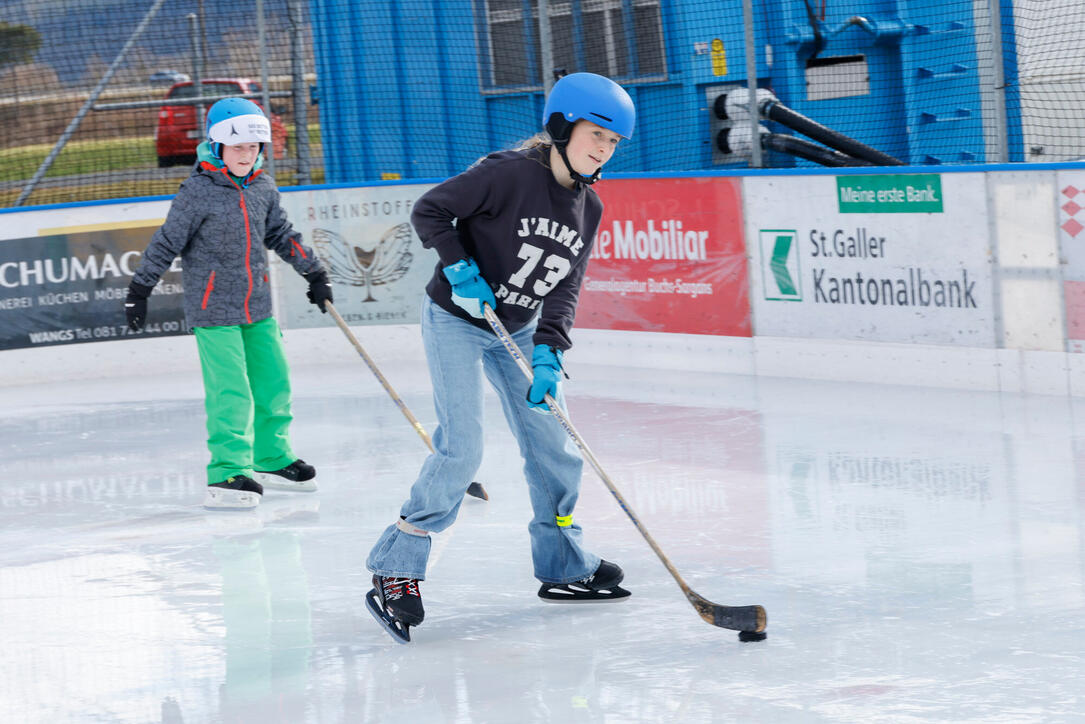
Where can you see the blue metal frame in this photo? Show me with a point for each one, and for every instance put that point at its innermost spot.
(416, 98)
(1014, 129)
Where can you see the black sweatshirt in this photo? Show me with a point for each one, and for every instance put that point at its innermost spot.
(530, 236)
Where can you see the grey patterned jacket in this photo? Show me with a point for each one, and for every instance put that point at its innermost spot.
(221, 230)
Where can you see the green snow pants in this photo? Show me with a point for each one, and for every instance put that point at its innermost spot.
(246, 385)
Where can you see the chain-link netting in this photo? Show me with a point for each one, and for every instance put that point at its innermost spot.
(98, 98)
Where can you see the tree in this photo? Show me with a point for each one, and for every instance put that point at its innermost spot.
(18, 44)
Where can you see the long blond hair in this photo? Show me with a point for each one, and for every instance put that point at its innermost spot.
(540, 140)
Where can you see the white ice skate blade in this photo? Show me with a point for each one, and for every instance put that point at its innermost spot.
(275, 482)
(400, 632)
(578, 601)
(560, 593)
(226, 499)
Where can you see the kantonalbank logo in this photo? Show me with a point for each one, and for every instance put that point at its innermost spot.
(780, 275)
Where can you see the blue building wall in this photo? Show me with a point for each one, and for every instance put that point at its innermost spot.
(401, 91)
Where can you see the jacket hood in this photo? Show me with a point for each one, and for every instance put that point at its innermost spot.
(204, 155)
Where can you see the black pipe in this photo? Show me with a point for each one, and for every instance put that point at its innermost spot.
(776, 111)
(809, 151)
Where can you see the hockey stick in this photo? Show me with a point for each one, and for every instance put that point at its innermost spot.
(745, 619)
(474, 489)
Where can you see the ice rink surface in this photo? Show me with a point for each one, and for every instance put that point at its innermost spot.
(920, 553)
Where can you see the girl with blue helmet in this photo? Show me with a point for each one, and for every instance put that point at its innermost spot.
(224, 218)
(514, 231)
(587, 97)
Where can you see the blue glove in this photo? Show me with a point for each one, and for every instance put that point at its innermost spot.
(469, 290)
(546, 367)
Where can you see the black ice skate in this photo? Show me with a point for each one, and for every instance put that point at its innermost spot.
(237, 493)
(396, 603)
(599, 586)
(298, 476)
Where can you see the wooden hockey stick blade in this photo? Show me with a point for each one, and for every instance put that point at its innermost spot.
(736, 618)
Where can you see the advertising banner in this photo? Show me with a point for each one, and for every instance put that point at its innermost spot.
(893, 258)
(376, 264)
(1071, 185)
(70, 287)
(669, 257)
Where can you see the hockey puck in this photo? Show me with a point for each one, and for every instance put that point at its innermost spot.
(746, 636)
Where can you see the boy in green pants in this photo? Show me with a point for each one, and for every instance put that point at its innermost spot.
(222, 220)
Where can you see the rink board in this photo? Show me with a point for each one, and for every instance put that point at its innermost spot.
(986, 274)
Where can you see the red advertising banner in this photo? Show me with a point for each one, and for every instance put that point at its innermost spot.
(669, 257)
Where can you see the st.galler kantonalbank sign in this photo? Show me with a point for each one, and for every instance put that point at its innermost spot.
(883, 194)
(877, 257)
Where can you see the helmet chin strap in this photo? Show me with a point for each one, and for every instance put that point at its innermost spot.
(579, 177)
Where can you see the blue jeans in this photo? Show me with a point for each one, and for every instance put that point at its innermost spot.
(458, 353)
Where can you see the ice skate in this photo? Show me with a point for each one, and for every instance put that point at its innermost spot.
(237, 493)
(396, 603)
(298, 476)
(599, 586)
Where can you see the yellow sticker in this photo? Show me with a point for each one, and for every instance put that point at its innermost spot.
(719, 58)
(390, 176)
(104, 226)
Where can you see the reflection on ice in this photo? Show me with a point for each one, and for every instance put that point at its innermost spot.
(919, 553)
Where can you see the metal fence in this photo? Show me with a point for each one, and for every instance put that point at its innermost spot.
(102, 98)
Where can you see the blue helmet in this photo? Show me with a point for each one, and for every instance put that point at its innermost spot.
(236, 120)
(589, 97)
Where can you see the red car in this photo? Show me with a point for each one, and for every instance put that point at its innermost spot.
(177, 134)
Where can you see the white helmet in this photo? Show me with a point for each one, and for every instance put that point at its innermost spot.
(236, 120)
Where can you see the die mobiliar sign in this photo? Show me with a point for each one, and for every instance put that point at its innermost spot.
(669, 256)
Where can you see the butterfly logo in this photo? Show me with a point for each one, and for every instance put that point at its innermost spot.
(348, 264)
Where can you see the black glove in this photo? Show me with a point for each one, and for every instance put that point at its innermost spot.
(320, 290)
(135, 305)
